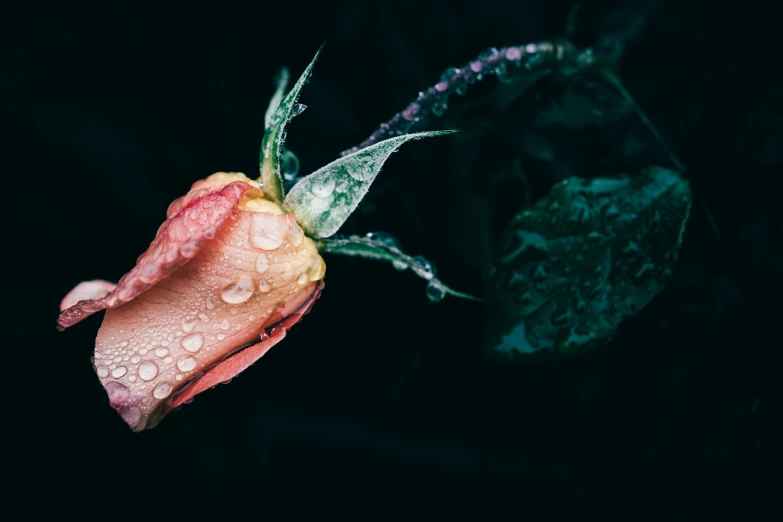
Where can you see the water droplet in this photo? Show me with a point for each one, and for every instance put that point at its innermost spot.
(424, 266)
(513, 53)
(323, 188)
(266, 233)
(192, 342)
(132, 378)
(135, 359)
(168, 360)
(439, 108)
(441, 86)
(476, 66)
(449, 73)
(186, 363)
(162, 390)
(303, 279)
(384, 238)
(263, 286)
(435, 292)
(295, 235)
(161, 352)
(316, 268)
(123, 344)
(179, 377)
(262, 263)
(399, 265)
(220, 337)
(488, 53)
(412, 111)
(148, 370)
(210, 304)
(204, 317)
(224, 324)
(187, 326)
(119, 371)
(103, 372)
(297, 109)
(239, 291)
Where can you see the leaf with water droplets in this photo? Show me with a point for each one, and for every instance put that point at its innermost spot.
(573, 266)
(322, 201)
(383, 247)
(274, 135)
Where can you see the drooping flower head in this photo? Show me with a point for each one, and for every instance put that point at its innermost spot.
(235, 264)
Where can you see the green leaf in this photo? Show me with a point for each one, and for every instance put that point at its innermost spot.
(323, 200)
(383, 247)
(578, 262)
(274, 103)
(280, 112)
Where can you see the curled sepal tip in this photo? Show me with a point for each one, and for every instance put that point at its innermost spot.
(322, 201)
(280, 112)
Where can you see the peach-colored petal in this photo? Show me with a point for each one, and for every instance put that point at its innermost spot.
(179, 239)
(86, 291)
(231, 367)
(258, 272)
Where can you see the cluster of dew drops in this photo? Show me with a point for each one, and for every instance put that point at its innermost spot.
(234, 293)
(419, 264)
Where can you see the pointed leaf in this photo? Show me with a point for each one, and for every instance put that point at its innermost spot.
(322, 201)
(591, 253)
(274, 136)
(383, 247)
(274, 103)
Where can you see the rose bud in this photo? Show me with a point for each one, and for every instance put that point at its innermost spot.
(233, 267)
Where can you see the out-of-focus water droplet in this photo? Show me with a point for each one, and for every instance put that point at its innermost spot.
(239, 291)
(435, 292)
(302, 279)
(148, 370)
(316, 268)
(439, 108)
(162, 390)
(192, 342)
(428, 269)
(384, 238)
(262, 263)
(102, 372)
(462, 89)
(399, 265)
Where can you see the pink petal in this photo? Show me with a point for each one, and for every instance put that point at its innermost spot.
(178, 240)
(86, 291)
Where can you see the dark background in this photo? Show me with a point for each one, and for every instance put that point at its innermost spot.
(115, 109)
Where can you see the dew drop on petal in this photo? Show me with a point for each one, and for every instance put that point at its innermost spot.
(187, 326)
(265, 233)
(132, 378)
(103, 372)
(162, 390)
(224, 325)
(262, 263)
(135, 359)
(316, 268)
(168, 360)
(295, 235)
(148, 370)
(119, 371)
(220, 337)
(161, 352)
(186, 363)
(192, 342)
(303, 279)
(239, 291)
